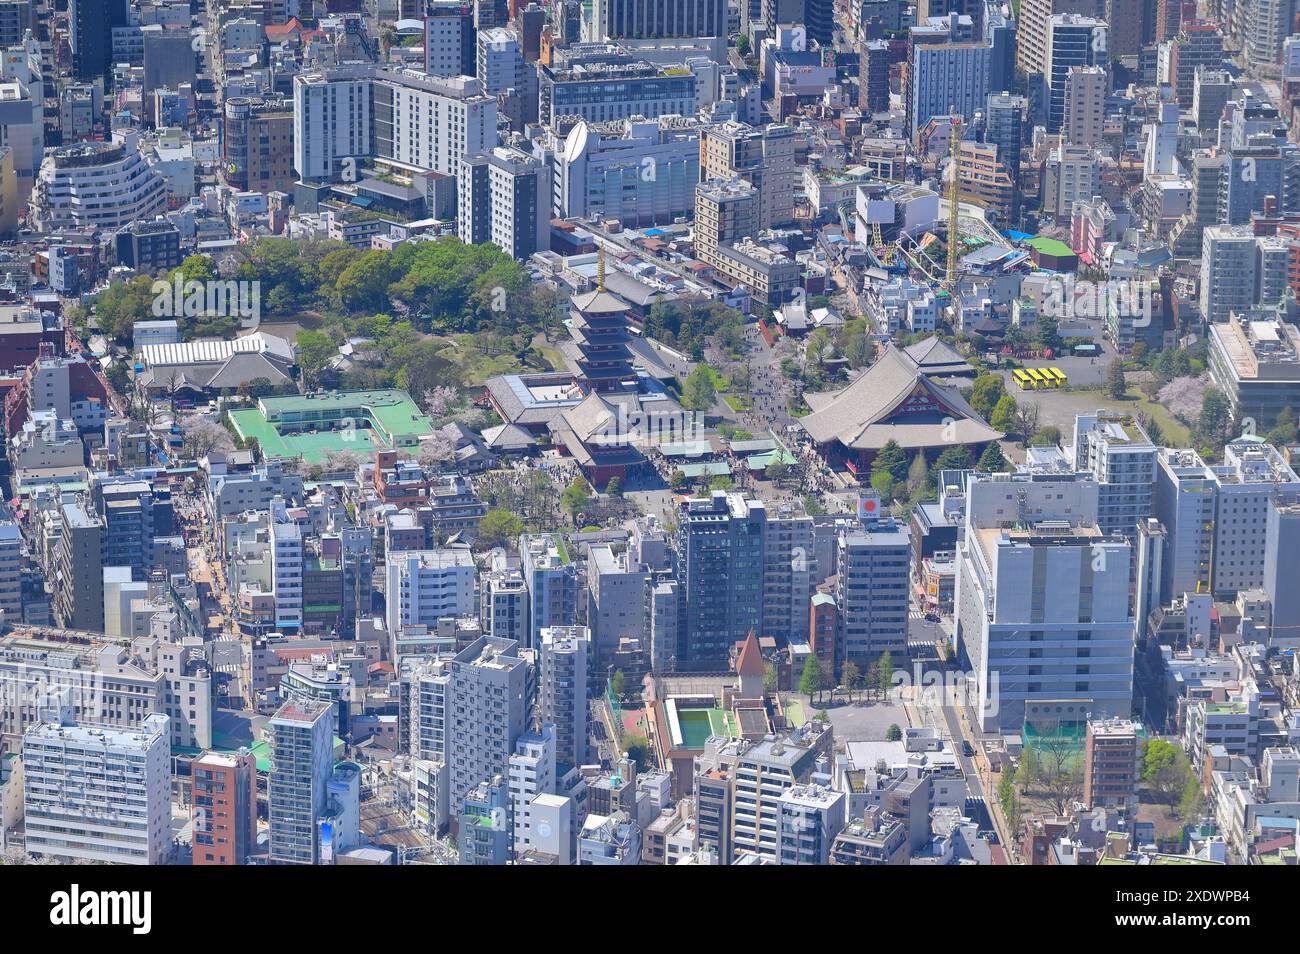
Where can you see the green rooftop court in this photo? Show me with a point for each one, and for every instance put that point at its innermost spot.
(313, 425)
(691, 722)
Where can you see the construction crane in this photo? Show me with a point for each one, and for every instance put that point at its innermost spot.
(954, 151)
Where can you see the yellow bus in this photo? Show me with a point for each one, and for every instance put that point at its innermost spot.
(1039, 379)
(1025, 381)
(1059, 375)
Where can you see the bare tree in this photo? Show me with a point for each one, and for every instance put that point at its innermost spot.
(201, 436)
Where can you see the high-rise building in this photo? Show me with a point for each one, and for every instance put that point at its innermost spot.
(504, 198)
(762, 157)
(873, 77)
(947, 72)
(1042, 599)
(97, 793)
(1085, 105)
(810, 818)
(1116, 451)
(719, 555)
(531, 773)
(449, 38)
(503, 604)
(615, 600)
(224, 812)
(1033, 34)
(788, 571)
(424, 586)
(564, 657)
(1252, 475)
(1281, 557)
(1184, 505)
(871, 586)
(1197, 46)
(257, 145)
(1072, 42)
(91, 25)
(1004, 122)
(302, 758)
(487, 702)
(631, 19)
(1229, 262)
(551, 577)
(78, 577)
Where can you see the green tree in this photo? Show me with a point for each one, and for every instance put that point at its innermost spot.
(891, 459)
(575, 498)
(918, 478)
(618, 684)
(813, 678)
(499, 528)
(1216, 417)
(742, 45)
(637, 747)
(885, 674)
(769, 677)
(615, 487)
(677, 482)
(1046, 333)
(893, 733)
(699, 392)
(1004, 414)
(1116, 387)
(315, 349)
(1048, 436)
(986, 392)
(882, 482)
(1192, 804)
(1165, 769)
(992, 460)
(1284, 430)
(956, 457)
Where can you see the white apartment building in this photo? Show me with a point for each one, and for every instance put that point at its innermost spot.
(424, 586)
(96, 188)
(810, 818)
(1252, 474)
(1117, 452)
(488, 709)
(1229, 262)
(302, 756)
(565, 653)
(500, 61)
(1072, 174)
(94, 792)
(531, 773)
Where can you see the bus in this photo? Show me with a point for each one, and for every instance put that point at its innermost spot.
(1039, 379)
(1024, 380)
(1058, 375)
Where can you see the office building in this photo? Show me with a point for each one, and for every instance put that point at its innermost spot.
(639, 172)
(1252, 475)
(947, 72)
(77, 579)
(257, 145)
(719, 574)
(629, 19)
(1256, 364)
(97, 793)
(91, 24)
(1004, 121)
(871, 586)
(762, 157)
(1281, 557)
(1042, 599)
(789, 571)
(96, 187)
(449, 48)
(599, 90)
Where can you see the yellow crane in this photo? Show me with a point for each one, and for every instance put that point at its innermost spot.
(954, 151)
